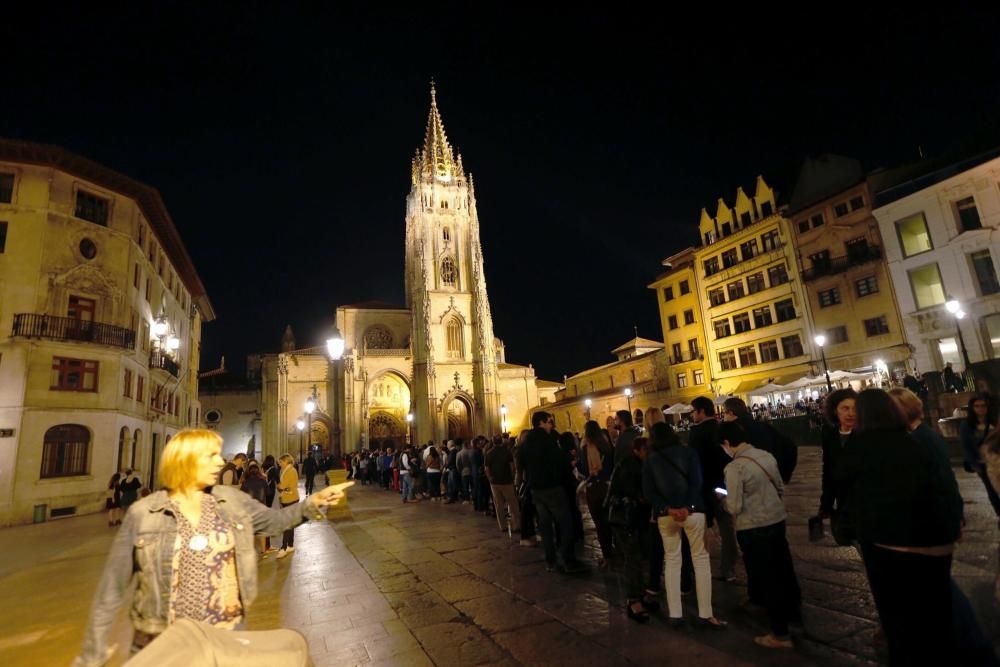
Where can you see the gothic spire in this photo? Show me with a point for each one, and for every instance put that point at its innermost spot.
(437, 158)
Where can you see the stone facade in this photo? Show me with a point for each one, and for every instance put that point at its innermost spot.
(90, 265)
(939, 233)
(851, 299)
(436, 358)
(752, 299)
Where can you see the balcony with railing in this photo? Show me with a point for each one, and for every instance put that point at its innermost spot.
(160, 361)
(686, 356)
(836, 265)
(35, 325)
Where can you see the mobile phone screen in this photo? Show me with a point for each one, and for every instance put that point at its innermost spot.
(721, 490)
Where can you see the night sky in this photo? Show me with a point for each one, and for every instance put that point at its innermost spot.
(281, 139)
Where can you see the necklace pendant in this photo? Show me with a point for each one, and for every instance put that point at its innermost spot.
(198, 543)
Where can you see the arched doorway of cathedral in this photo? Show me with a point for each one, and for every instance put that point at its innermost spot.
(382, 426)
(388, 404)
(459, 416)
(319, 435)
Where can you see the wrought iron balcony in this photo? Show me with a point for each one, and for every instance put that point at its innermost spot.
(34, 325)
(837, 265)
(685, 357)
(158, 360)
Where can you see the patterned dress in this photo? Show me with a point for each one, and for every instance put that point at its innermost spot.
(203, 584)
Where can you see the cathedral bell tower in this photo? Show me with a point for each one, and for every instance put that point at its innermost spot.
(455, 386)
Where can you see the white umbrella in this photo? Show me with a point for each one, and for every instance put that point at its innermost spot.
(769, 388)
(803, 382)
(678, 409)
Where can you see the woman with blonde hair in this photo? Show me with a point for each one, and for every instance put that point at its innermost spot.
(653, 415)
(189, 547)
(288, 494)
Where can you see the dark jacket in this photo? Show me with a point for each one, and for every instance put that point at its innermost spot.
(971, 444)
(143, 551)
(832, 451)
(704, 439)
(255, 487)
(309, 465)
(626, 482)
(544, 463)
(898, 491)
(664, 485)
(623, 445)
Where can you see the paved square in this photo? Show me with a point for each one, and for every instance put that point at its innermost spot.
(384, 583)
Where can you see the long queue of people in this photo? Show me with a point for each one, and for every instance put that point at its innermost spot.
(888, 490)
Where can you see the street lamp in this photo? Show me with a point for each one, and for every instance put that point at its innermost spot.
(588, 403)
(503, 418)
(335, 344)
(628, 397)
(310, 407)
(954, 307)
(821, 341)
(881, 368)
(409, 426)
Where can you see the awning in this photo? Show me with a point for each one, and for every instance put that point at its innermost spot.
(746, 386)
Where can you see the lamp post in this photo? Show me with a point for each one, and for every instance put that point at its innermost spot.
(409, 428)
(503, 418)
(821, 341)
(955, 308)
(335, 348)
(628, 397)
(301, 425)
(310, 407)
(587, 403)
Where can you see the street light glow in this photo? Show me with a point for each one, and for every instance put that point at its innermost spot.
(409, 417)
(588, 402)
(953, 306)
(160, 327)
(503, 409)
(335, 344)
(820, 340)
(173, 342)
(960, 315)
(628, 391)
(300, 424)
(310, 405)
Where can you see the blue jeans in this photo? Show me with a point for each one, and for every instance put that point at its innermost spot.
(406, 485)
(451, 479)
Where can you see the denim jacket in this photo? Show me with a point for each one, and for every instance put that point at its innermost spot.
(143, 550)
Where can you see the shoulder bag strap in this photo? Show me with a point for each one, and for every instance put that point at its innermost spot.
(769, 478)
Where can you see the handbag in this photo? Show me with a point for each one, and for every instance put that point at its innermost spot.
(620, 510)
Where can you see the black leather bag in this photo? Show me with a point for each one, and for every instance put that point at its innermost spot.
(621, 511)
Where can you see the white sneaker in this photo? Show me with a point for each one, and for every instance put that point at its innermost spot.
(284, 552)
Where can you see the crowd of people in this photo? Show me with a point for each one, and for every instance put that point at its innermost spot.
(888, 491)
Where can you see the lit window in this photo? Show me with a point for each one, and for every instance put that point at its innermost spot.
(913, 235)
(682, 380)
(928, 290)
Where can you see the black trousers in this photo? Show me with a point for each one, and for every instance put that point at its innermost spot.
(771, 574)
(527, 516)
(913, 596)
(630, 545)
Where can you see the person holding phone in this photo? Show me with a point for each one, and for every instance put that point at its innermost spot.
(753, 496)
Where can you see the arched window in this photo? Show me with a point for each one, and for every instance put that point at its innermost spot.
(455, 345)
(444, 203)
(448, 273)
(65, 451)
(124, 440)
(136, 444)
(446, 234)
